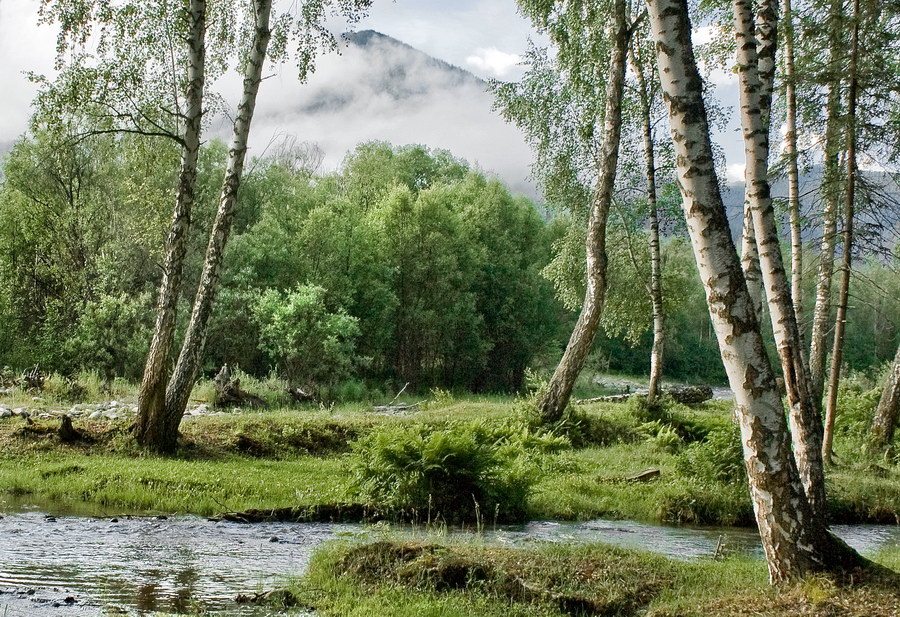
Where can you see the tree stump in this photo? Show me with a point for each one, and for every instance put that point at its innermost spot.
(228, 392)
(67, 432)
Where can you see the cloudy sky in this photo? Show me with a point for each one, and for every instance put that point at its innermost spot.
(485, 37)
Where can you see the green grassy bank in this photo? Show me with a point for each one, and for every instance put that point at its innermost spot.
(445, 578)
(288, 457)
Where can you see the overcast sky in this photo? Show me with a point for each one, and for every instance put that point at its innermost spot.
(485, 37)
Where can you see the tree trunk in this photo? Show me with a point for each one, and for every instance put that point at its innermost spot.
(795, 541)
(793, 172)
(830, 193)
(165, 430)
(885, 421)
(755, 98)
(655, 289)
(151, 400)
(840, 323)
(554, 401)
(750, 260)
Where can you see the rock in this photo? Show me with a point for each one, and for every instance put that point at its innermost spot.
(96, 415)
(690, 395)
(21, 412)
(5, 413)
(110, 415)
(273, 539)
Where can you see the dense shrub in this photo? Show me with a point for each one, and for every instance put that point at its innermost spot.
(718, 458)
(457, 473)
(312, 344)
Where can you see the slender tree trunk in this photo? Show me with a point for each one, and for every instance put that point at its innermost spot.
(840, 324)
(755, 97)
(830, 194)
(554, 401)
(182, 379)
(885, 421)
(655, 289)
(795, 541)
(750, 261)
(793, 172)
(151, 401)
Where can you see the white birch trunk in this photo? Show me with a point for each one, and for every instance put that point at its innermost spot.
(793, 172)
(151, 401)
(182, 380)
(655, 287)
(554, 401)
(795, 542)
(830, 193)
(755, 99)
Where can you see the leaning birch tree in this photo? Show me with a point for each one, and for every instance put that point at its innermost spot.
(795, 540)
(159, 419)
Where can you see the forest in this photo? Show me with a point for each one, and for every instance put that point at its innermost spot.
(643, 390)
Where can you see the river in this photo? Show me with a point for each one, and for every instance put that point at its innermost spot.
(63, 560)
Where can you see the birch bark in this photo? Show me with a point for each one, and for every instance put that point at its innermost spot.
(165, 430)
(655, 288)
(553, 403)
(755, 100)
(795, 541)
(151, 401)
(793, 172)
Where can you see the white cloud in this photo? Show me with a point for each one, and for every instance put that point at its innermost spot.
(735, 172)
(493, 62)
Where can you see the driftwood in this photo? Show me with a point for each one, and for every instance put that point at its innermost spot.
(228, 392)
(298, 395)
(644, 476)
(33, 379)
(685, 395)
(398, 408)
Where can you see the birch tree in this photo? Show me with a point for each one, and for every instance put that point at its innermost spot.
(755, 57)
(158, 419)
(645, 98)
(791, 155)
(795, 540)
(554, 400)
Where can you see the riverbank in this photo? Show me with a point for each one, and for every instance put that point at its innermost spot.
(399, 577)
(299, 457)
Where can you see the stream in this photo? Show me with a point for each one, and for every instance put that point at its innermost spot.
(59, 560)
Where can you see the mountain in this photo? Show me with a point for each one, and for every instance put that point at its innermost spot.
(379, 88)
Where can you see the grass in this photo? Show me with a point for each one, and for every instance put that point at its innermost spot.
(451, 577)
(290, 457)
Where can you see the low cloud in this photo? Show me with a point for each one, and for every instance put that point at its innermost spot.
(386, 90)
(494, 62)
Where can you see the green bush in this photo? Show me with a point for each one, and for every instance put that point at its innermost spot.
(312, 344)
(718, 458)
(459, 473)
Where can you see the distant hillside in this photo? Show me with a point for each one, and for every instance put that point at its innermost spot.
(392, 69)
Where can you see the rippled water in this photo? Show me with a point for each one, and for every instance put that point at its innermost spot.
(143, 565)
